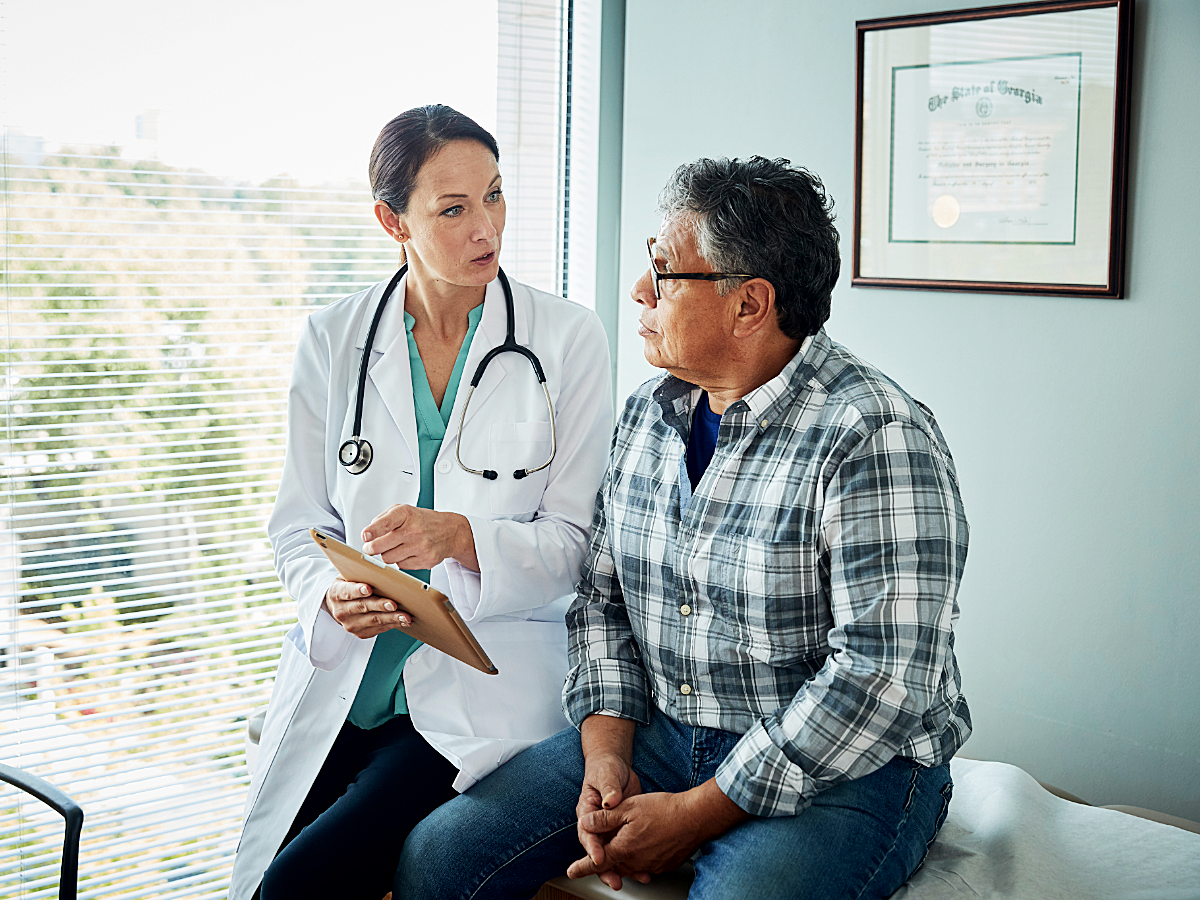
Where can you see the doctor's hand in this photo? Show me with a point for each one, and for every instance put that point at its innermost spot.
(357, 609)
(415, 538)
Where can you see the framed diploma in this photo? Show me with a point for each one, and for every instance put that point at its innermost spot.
(991, 149)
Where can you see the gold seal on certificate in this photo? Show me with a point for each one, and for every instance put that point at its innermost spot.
(946, 210)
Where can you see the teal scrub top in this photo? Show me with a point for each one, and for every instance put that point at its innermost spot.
(380, 696)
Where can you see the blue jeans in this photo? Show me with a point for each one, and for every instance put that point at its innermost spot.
(515, 829)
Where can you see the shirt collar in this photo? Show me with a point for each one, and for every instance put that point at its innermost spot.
(779, 391)
(677, 397)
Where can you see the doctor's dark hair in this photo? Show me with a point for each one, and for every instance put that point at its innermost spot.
(408, 141)
(766, 217)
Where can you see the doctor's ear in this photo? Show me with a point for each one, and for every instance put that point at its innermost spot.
(390, 221)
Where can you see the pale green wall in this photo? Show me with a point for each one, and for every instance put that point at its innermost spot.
(1073, 422)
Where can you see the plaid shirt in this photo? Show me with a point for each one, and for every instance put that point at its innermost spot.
(804, 596)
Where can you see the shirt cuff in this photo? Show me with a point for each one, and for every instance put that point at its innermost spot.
(610, 684)
(759, 778)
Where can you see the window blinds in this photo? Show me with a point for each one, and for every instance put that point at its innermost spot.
(149, 320)
(531, 128)
(150, 316)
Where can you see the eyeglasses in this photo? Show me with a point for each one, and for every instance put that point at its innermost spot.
(658, 276)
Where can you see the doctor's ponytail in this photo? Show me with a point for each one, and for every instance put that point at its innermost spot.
(408, 141)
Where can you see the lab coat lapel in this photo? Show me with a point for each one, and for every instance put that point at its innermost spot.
(490, 333)
(389, 371)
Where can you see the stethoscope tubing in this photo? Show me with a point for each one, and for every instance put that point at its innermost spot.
(361, 448)
(366, 355)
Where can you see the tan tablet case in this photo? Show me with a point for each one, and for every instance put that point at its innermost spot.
(435, 621)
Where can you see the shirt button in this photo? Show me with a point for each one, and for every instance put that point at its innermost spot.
(685, 689)
(444, 467)
(764, 423)
(685, 609)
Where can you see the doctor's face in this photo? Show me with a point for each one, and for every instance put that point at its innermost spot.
(455, 216)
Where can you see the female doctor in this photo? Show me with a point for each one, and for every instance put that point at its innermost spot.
(367, 731)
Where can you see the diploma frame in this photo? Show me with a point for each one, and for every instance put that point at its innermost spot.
(1058, 232)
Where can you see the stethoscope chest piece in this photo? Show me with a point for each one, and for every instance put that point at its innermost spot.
(355, 455)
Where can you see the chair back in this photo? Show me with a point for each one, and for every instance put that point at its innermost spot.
(72, 813)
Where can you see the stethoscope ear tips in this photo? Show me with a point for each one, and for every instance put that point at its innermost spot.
(355, 455)
(490, 474)
(520, 473)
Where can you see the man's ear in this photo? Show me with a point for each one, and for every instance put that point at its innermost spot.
(756, 309)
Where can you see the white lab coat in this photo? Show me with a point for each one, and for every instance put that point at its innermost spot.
(530, 536)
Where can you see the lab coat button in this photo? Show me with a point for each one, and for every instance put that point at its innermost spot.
(685, 689)
(444, 467)
(685, 609)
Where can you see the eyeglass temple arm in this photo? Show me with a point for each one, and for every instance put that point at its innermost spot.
(702, 276)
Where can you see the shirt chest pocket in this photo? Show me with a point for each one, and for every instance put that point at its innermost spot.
(513, 446)
(768, 594)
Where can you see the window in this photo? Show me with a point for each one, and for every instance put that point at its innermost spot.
(174, 204)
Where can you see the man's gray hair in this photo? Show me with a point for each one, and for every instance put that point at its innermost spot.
(767, 218)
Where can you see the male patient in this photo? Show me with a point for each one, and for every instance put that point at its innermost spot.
(762, 649)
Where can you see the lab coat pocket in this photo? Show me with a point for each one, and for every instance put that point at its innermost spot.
(254, 729)
(479, 721)
(513, 446)
(291, 680)
(523, 702)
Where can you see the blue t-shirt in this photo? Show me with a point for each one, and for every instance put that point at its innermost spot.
(702, 442)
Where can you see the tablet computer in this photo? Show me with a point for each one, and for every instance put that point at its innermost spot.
(435, 621)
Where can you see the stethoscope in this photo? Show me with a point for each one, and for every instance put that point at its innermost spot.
(356, 453)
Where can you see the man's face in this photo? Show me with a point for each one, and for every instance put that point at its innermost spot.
(687, 332)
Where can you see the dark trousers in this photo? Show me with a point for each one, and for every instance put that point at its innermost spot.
(373, 789)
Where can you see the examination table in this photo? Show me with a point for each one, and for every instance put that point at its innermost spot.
(1008, 838)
